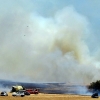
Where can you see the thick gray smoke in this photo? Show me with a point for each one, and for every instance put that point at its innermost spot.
(34, 48)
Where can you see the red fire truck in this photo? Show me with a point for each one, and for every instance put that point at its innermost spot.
(32, 91)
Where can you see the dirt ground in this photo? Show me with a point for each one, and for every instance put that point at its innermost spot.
(48, 97)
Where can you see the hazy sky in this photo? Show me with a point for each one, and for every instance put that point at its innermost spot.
(88, 8)
(50, 36)
(47, 8)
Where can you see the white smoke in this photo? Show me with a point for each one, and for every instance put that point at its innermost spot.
(35, 48)
(3, 88)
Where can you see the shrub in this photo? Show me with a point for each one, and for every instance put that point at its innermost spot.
(95, 85)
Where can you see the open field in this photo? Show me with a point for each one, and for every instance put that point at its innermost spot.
(48, 97)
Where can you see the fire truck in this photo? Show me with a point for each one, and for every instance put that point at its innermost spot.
(32, 91)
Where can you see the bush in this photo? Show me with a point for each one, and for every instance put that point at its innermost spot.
(95, 85)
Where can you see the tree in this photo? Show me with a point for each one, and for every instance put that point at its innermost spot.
(95, 85)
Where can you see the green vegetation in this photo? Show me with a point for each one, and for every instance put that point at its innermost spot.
(95, 85)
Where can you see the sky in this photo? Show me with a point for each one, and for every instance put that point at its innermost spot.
(45, 40)
(88, 8)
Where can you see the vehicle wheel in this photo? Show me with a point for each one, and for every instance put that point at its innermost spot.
(13, 95)
(22, 95)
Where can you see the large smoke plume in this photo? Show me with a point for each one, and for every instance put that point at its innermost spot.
(36, 48)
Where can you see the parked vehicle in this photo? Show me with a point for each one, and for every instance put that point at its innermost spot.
(19, 93)
(26, 93)
(95, 95)
(32, 91)
(36, 91)
(3, 93)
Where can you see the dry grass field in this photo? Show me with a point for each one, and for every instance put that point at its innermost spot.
(48, 97)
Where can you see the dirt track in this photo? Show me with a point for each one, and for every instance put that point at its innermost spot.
(48, 97)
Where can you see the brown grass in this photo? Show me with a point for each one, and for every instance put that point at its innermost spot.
(47, 97)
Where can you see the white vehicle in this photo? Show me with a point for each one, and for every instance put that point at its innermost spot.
(3, 93)
(19, 93)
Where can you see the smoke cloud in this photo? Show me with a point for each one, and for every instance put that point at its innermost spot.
(35, 48)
